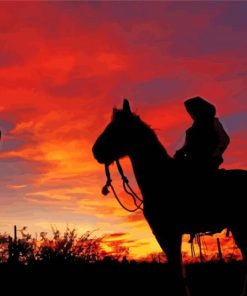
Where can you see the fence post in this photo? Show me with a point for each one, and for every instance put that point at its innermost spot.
(200, 247)
(15, 234)
(219, 250)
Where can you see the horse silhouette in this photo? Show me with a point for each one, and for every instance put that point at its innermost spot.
(174, 201)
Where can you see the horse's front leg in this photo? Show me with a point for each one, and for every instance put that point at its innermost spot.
(171, 245)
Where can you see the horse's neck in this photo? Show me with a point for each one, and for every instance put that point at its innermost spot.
(150, 161)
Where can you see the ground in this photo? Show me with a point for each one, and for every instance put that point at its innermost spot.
(112, 278)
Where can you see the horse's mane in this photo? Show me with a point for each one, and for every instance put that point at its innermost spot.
(143, 128)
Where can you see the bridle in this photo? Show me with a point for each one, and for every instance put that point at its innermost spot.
(127, 188)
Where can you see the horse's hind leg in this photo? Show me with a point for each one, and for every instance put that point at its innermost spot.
(240, 237)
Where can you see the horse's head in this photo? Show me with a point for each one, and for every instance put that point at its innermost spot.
(114, 142)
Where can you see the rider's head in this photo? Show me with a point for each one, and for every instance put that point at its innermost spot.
(200, 109)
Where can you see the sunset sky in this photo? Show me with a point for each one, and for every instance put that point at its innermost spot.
(65, 65)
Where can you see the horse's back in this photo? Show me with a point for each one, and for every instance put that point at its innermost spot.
(225, 197)
(231, 181)
(200, 203)
(233, 173)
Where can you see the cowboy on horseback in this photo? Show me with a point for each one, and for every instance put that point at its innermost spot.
(161, 181)
(206, 140)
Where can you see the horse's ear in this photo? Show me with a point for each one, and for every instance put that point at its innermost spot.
(126, 106)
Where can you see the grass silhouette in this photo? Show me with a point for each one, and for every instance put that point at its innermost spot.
(67, 259)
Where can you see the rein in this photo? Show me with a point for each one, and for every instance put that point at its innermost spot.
(127, 188)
